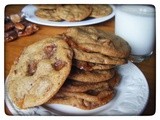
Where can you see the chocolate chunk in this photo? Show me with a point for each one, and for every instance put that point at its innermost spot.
(58, 65)
(49, 50)
(32, 67)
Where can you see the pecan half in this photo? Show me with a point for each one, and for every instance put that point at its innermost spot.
(15, 18)
(19, 26)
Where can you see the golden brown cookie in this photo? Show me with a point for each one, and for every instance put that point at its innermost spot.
(47, 6)
(48, 14)
(86, 101)
(74, 13)
(94, 40)
(91, 76)
(88, 66)
(100, 10)
(39, 72)
(97, 58)
(77, 86)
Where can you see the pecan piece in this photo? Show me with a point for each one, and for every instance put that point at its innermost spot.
(49, 50)
(19, 26)
(32, 67)
(10, 35)
(28, 30)
(9, 26)
(15, 18)
(58, 65)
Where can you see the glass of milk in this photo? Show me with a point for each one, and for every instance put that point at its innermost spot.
(136, 24)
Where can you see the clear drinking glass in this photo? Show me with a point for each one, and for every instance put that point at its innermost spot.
(136, 24)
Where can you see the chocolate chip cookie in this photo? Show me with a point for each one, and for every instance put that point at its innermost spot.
(39, 72)
(74, 13)
(91, 76)
(87, 101)
(94, 40)
(97, 58)
(88, 66)
(48, 14)
(77, 86)
(100, 10)
(47, 6)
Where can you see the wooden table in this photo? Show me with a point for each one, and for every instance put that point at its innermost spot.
(13, 50)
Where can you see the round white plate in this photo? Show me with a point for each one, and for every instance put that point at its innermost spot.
(29, 13)
(131, 98)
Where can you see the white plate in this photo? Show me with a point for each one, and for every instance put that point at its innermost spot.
(29, 11)
(131, 98)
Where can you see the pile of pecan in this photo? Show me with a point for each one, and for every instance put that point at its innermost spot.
(16, 26)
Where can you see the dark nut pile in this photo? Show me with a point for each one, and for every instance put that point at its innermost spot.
(16, 26)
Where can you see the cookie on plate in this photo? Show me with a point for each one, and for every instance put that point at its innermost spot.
(47, 6)
(48, 14)
(88, 66)
(86, 101)
(74, 13)
(39, 72)
(100, 10)
(91, 76)
(94, 40)
(77, 86)
(97, 58)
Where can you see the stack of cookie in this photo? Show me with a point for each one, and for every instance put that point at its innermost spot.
(96, 53)
(86, 95)
(93, 76)
(72, 13)
(77, 68)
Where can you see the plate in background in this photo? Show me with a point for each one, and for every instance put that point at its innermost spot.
(29, 13)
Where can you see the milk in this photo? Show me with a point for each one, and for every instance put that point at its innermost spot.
(136, 24)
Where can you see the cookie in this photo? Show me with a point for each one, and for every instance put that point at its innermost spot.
(39, 72)
(47, 6)
(84, 101)
(74, 13)
(77, 86)
(91, 76)
(48, 14)
(88, 66)
(95, 95)
(100, 10)
(93, 40)
(97, 58)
